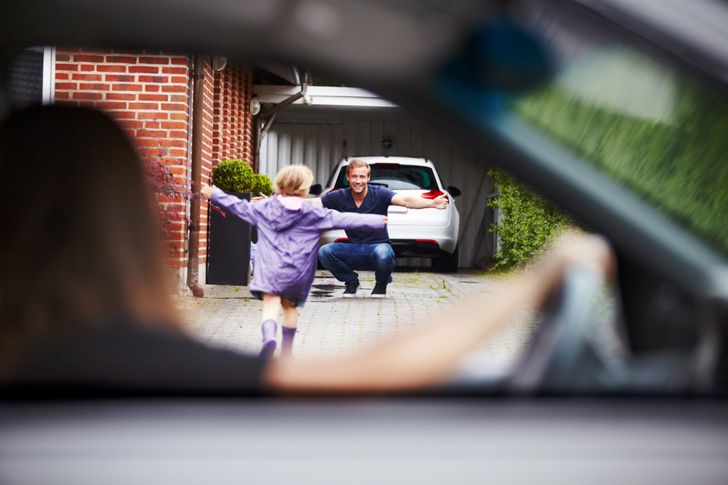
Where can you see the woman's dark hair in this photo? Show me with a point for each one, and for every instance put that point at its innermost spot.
(79, 237)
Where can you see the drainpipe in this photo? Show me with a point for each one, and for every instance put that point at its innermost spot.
(266, 117)
(193, 259)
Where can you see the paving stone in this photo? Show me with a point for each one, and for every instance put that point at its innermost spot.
(330, 325)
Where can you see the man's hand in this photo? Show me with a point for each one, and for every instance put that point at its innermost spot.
(440, 202)
(206, 191)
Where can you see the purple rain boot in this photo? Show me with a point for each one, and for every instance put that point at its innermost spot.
(268, 328)
(287, 342)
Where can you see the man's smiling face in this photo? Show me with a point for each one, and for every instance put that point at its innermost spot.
(358, 178)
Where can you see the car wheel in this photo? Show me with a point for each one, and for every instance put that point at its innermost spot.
(446, 262)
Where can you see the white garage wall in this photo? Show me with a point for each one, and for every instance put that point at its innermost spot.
(320, 139)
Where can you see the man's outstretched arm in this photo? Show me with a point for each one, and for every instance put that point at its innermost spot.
(412, 201)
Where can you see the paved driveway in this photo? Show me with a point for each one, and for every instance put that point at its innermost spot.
(331, 325)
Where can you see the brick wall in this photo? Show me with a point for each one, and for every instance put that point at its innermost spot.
(233, 133)
(149, 93)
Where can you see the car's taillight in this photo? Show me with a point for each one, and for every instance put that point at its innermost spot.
(433, 194)
(342, 239)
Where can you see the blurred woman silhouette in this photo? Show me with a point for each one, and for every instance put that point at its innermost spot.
(85, 302)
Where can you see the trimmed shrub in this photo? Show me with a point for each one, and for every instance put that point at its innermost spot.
(234, 176)
(262, 184)
(527, 225)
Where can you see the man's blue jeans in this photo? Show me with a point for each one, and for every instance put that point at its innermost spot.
(342, 258)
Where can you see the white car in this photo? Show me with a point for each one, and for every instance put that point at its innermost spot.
(429, 233)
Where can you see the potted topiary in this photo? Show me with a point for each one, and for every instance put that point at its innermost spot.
(228, 251)
(262, 184)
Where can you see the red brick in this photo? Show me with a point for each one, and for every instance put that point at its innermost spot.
(109, 105)
(124, 78)
(124, 115)
(66, 86)
(174, 89)
(87, 77)
(174, 125)
(172, 143)
(153, 97)
(144, 69)
(126, 87)
(121, 96)
(66, 67)
(62, 57)
(178, 134)
(174, 107)
(61, 76)
(87, 96)
(153, 116)
(153, 79)
(107, 68)
(178, 116)
(175, 70)
(87, 67)
(179, 79)
(94, 86)
(180, 60)
(151, 125)
(122, 59)
(62, 95)
(178, 98)
(87, 58)
(132, 124)
(144, 133)
(151, 87)
(154, 60)
(143, 105)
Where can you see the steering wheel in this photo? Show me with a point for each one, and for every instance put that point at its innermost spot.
(576, 347)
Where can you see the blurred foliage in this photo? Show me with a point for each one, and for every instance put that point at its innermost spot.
(527, 223)
(234, 176)
(678, 164)
(262, 184)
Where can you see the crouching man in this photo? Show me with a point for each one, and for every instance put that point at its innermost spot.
(366, 250)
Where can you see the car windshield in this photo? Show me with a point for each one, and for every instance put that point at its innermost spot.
(658, 130)
(396, 177)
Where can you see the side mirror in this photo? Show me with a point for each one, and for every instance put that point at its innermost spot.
(454, 191)
(315, 189)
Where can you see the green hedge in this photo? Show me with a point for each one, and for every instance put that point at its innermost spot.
(527, 224)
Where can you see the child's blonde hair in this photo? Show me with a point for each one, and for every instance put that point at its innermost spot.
(294, 180)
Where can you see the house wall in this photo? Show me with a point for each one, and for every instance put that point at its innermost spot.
(149, 94)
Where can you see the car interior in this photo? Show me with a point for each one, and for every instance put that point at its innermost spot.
(614, 111)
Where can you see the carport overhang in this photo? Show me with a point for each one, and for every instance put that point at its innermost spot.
(327, 97)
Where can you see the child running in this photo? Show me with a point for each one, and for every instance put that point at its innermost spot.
(287, 248)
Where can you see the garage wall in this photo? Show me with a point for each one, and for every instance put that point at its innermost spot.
(320, 139)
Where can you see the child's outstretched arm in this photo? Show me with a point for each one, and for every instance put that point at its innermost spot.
(239, 207)
(428, 354)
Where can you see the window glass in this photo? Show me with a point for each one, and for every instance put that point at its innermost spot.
(651, 127)
(396, 177)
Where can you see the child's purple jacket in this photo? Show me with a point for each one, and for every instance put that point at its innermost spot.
(288, 240)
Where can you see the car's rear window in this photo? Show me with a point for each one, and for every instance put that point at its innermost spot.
(658, 130)
(395, 176)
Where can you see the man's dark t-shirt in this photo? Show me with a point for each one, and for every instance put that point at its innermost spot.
(377, 201)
